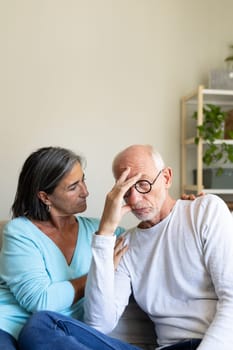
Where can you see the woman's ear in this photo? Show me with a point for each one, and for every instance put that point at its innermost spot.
(43, 197)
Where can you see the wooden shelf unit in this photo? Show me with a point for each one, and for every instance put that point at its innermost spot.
(198, 98)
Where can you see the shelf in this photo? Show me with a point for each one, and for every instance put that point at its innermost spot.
(194, 188)
(219, 142)
(191, 157)
(218, 191)
(191, 141)
(211, 96)
(218, 92)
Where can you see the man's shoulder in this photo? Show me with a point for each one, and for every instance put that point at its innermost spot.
(209, 200)
(208, 205)
(203, 200)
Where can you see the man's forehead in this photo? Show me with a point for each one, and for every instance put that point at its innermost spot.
(145, 170)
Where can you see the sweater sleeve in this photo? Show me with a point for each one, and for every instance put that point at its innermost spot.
(217, 239)
(24, 269)
(107, 293)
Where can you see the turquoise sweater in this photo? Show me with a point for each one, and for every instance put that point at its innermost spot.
(34, 274)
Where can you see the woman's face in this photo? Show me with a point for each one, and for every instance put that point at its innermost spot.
(69, 197)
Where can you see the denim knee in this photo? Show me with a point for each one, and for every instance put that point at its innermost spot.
(7, 341)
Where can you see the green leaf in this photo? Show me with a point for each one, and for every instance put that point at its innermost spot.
(229, 58)
(219, 171)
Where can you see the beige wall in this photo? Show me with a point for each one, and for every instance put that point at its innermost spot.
(98, 75)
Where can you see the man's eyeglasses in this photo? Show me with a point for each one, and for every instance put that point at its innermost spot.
(143, 186)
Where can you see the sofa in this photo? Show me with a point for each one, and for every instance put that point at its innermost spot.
(134, 326)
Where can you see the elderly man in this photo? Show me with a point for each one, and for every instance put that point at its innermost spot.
(179, 262)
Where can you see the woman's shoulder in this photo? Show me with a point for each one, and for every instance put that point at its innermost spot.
(17, 223)
(88, 222)
(20, 231)
(91, 224)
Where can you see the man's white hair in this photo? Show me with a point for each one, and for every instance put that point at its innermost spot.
(159, 162)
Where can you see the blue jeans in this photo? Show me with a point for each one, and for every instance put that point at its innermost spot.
(48, 330)
(7, 342)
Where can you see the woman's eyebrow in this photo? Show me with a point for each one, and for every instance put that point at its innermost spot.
(73, 184)
(76, 182)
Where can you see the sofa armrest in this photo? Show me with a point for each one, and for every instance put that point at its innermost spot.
(2, 224)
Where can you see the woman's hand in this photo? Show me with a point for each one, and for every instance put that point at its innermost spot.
(191, 196)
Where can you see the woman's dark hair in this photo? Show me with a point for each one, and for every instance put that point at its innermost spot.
(42, 171)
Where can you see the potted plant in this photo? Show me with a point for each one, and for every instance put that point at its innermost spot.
(222, 78)
(212, 129)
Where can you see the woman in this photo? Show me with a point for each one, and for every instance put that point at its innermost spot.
(46, 250)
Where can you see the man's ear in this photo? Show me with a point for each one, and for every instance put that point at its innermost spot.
(43, 197)
(168, 175)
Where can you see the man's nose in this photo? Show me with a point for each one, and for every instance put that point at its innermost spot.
(132, 196)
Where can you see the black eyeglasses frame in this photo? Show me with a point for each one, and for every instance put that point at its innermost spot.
(140, 181)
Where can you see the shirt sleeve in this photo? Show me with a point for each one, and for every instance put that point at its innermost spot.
(24, 270)
(217, 239)
(107, 292)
